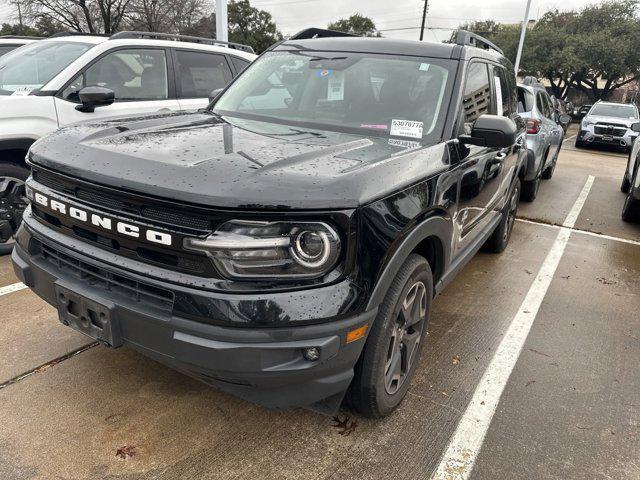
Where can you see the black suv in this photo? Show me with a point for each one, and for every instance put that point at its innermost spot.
(284, 244)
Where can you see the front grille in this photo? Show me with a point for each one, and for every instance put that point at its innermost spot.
(107, 280)
(143, 210)
(613, 130)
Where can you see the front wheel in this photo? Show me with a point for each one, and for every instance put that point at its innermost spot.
(13, 201)
(626, 184)
(388, 362)
(499, 239)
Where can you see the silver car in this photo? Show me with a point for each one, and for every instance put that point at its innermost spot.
(609, 123)
(545, 134)
(631, 182)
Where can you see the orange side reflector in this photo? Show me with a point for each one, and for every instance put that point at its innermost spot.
(357, 333)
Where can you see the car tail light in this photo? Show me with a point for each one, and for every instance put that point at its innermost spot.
(533, 126)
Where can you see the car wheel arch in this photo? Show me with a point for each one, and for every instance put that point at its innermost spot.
(428, 239)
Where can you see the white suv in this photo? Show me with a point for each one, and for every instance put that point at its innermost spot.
(41, 89)
(11, 42)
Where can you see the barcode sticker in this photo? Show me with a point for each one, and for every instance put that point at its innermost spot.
(406, 128)
(335, 87)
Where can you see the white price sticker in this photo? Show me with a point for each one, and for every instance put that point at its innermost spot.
(406, 128)
(498, 96)
(335, 87)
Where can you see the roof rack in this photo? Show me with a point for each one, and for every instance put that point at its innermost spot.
(19, 37)
(308, 33)
(464, 37)
(180, 38)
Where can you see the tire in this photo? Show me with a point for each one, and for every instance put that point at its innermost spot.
(499, 239)
(547, 173)
(631, 209)
(530, 189)
(579, 143)
(10, 171)
(626, 184)
(378, 388)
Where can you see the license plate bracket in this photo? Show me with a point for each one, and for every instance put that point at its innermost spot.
(607, 138)
(91, 316)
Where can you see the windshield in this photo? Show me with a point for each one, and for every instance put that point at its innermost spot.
(6, 49)
(618, 111)
(31, 66)
(378, 95)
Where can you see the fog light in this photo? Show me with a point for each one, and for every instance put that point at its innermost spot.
(311, 354)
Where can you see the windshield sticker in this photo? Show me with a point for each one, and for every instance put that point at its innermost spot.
(335, 87)
(22, 91)
(406, 128)
(499, 95)
(374, 126)
(424, 67)
(323, 73)
(406, 144)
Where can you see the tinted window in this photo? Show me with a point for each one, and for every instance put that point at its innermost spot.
(477, 94)
(131, 74)
(239, 63)
(525, 100)
(543, 104)
(504, 90)
(198, 74)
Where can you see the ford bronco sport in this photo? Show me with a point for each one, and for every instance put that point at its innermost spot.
(284, 244)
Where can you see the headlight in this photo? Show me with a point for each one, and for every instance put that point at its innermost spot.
(586, 123)
(260, 250)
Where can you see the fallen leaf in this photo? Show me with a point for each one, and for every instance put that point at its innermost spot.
(126, 451)
(530, 382)
(539, 352)
(346, 426)
(443, 392)
(456, 360)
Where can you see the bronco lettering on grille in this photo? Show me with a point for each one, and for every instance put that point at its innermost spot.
(103, 222)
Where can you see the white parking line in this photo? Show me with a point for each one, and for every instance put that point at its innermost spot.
(569, 138)
(581, 232)
(464, 446)
(12, 288)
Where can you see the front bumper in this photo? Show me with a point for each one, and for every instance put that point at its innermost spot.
(262, 365)
(588, 135)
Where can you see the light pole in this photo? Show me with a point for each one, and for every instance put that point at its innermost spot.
(523, 32)
(424, 18)
(222, 27)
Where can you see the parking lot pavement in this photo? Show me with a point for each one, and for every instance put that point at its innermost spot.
(569, 409)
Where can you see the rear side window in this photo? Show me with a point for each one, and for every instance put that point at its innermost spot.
(525, 100)
(239, 64)
(477, 94)
(199, 73)
(543, 104)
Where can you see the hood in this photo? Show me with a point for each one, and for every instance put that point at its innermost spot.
(203, 159)
(617, 120)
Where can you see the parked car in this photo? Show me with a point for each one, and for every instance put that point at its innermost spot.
(11, 42)
(66, 79)
(609, 123)
(545, 134)
(286, 243)
(631, 182)
(579, 113)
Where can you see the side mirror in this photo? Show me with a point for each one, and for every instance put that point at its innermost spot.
(493, 131)
(636, 127)
(215, 94)
(93, 97)
(565, 119)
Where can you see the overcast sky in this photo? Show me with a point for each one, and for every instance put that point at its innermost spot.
(392, 15)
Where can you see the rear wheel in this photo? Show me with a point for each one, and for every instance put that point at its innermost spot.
(13, 201)
(626, 184)
(392, 351)
(548, 172)
(501, 235)
(631, 209)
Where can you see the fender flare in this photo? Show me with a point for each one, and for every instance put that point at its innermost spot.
(438, 227)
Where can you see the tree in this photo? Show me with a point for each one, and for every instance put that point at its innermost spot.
(168, 16)
(356, 24)
(42, 28)
(251, 26)
(595, 50)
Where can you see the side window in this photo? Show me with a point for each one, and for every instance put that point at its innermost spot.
(199, 73)
(543, 105)
(239, 63)
(476, 99)
(503, 92)
(132, 74)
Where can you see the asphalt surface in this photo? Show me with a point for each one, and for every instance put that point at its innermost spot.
(570, 409)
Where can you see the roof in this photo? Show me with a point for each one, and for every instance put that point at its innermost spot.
(388, 46)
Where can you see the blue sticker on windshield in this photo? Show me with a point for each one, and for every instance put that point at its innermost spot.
(324, 73)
